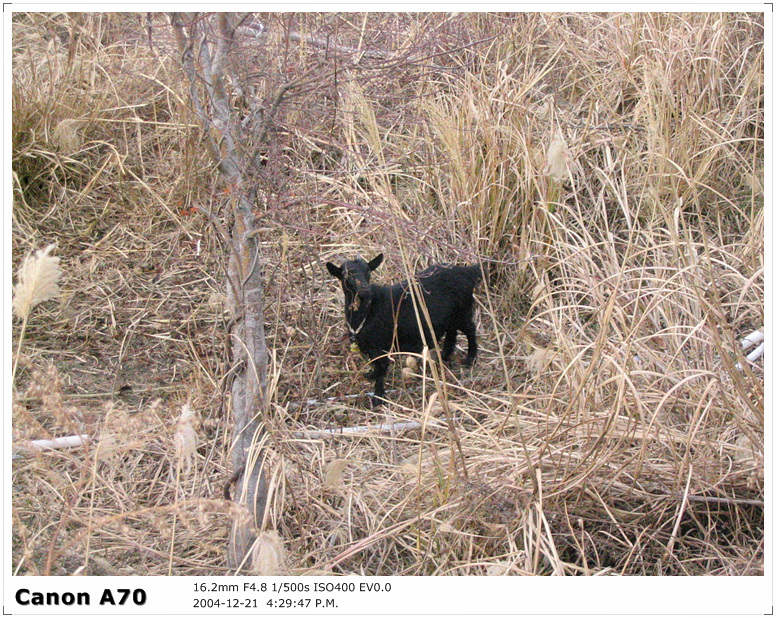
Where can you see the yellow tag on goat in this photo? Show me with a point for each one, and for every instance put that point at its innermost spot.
(354, 347)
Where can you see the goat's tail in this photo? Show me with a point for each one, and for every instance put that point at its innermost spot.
(471, 276)
(481, 272)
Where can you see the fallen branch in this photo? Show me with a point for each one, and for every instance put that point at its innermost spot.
(23, 449)
(328, 44)
(363, 429)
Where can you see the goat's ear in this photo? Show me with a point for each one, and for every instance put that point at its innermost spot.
(334, 270)
(375, 262)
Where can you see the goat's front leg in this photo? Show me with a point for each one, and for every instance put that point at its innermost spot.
(379, 369)
(449, 347)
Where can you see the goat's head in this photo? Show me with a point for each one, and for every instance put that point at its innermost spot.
(354, 276)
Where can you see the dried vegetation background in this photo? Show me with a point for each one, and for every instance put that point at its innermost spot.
(608, 168)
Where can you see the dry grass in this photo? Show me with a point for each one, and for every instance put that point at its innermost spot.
(609, 170)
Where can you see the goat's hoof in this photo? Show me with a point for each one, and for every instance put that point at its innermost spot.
(378, 401)
(468, 362)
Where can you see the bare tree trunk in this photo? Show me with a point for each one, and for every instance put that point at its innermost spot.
(204, 62)
(248, 388)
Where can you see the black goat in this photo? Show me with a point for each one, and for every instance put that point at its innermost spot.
(382, 318)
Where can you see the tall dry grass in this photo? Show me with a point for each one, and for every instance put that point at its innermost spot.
(607, 168)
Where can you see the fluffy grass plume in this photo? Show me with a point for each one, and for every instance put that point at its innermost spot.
(37, 282)
(186, 436)
(269, 554)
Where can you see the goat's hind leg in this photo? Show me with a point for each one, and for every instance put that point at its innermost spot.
(469, 329)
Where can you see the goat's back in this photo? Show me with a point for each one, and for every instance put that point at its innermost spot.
(470, 275)
(447, 290)
(450, 281)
